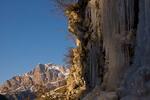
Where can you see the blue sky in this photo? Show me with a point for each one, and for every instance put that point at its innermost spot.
(31, 32)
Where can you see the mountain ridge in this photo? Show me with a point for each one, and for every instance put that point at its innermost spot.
(48, 76)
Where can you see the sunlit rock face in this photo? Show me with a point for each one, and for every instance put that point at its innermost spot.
(114, 37)
(29, 85)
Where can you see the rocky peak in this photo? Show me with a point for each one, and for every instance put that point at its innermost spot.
(48, 76)
(39, 68)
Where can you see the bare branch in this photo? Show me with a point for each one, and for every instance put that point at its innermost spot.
(64, 4)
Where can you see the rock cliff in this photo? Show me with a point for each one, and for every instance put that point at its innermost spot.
(113, 37)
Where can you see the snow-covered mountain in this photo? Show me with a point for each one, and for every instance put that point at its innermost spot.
(45, 76)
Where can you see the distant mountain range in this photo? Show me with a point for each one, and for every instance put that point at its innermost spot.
(43, 77)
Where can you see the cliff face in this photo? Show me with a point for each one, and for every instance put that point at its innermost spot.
(114, 41)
